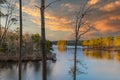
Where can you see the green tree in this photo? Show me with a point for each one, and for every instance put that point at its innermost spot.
(36, 40)
(2, 1)
(49, 45)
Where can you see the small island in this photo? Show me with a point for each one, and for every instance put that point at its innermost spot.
(9, 50)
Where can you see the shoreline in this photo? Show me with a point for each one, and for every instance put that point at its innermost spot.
(27, 58)
(102, 49)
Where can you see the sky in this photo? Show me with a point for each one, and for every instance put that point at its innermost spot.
(60, 18)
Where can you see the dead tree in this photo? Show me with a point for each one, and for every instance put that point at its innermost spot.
(81, 27)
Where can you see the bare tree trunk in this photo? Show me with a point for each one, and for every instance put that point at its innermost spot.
(43, 40)
(81, 27)
(75, 56)
(20, 14)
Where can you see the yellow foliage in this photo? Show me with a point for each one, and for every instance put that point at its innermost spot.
(103, 42)
(85, 42)
(61, 43)
(117, 41)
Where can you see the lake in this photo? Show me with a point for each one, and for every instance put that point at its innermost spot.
(92, 65)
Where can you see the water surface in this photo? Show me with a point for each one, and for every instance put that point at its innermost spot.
(96, 65)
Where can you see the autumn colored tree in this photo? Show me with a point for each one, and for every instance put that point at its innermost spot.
(117, 42)
(103, 43)
(62, 43)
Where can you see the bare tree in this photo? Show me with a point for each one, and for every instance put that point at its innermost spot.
(9, 6)
(81, 27)
(1, 14)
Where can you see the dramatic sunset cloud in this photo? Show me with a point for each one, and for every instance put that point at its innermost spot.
(111, 6)
(59, 18)
(52, 22)
(117, 17)
(55, 23)
(103, 26)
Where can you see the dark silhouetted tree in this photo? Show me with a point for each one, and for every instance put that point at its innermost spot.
(20, 17)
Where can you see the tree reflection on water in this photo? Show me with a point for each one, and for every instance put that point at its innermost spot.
(62, 48)
(109, 55)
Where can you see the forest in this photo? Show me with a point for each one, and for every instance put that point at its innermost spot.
(104, 43)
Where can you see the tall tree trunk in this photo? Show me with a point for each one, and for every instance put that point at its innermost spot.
(0, 24)
(20, 63)
(43, 40)
(75, 56)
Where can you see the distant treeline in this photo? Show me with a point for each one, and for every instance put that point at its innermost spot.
(103, 42)
(68, 42)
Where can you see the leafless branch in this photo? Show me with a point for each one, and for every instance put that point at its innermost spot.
(51, 3)
(89, 28)
(48, 4)
(37, 6)
(9, 7)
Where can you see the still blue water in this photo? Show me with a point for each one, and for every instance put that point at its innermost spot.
(95, 65)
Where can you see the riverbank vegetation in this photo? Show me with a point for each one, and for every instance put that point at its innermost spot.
(31, 43)
(103, 43)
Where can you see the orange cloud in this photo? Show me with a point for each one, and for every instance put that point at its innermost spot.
(103, 26)
(55, 23)
(52, 22)
(92, 2)
(116, 17)
(58, 23)
(30, 10)
(49, 16)
(112, 6)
